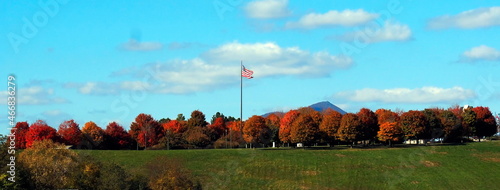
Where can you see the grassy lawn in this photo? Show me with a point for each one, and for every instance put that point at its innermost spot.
(471, 166)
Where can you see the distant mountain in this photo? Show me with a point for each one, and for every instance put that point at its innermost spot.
(320, 106)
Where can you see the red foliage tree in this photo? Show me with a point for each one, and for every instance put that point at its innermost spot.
(70, 133)
(286, 125)
(486, 124)
(93, 135)
(414, 124)
(219, 127)
(304, 129)
(117, 137)
(39, 131)
(369, 124)
(255, 130)
(20, 132)
(146, 130)
(174, 126)
(390, 132)
(330, 124)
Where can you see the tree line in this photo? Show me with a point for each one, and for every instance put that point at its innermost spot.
(303, 125)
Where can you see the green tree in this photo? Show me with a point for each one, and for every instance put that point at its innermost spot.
(469, 122)
(435, 127)
(180, 117)
(197, 119)
(452, 126)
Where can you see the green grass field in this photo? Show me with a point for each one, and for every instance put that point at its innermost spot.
(471, 166)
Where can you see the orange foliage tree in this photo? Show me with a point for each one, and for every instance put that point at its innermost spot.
(390, 132)
(286, 125)
(93, 135)
(304, 129)
(330, 124)
(256, 131)
(175, 126)
(414, 124)
(39, 131)
(350, 127)
(384, 115)
(70, 133)
(315, 115)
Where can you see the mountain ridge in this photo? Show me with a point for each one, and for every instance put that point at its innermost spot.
(319, 106)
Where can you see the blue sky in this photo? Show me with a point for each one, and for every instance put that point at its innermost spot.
(102, 62)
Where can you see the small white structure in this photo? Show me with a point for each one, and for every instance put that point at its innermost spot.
(300, 145)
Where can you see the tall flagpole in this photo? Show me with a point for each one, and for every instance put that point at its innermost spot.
(241, 95)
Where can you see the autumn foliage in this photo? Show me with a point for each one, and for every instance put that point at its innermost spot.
(117, 137)
(39, 131)
(414, 124)
(330, 124)
(390, 132)
(350, 128)
(146, 130)
(304, 129)
(255, 130)
(286, 125)
(70, 133)
(486, 124)
(20, 132)
(93, 135)
(304, 125)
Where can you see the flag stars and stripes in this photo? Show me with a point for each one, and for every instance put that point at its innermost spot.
(246, 72)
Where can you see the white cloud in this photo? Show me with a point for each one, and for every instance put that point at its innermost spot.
(475, 18)
(406, 95)
(389, 32)
(333, 18)
(219, 68)
(264, 9)
(481, 53)
(34, 95)
(134, 45)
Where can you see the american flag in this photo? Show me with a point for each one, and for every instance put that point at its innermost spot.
(246, 73)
